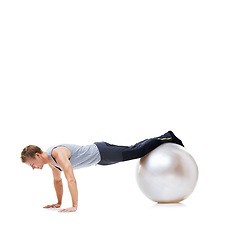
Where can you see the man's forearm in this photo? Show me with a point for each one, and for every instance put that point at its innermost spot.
(59, 190)
(72, 185)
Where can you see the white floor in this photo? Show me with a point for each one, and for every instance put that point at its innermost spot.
(114, 207)
(119, 71)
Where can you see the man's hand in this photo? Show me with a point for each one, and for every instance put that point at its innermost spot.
(71, 209)
(56, 205)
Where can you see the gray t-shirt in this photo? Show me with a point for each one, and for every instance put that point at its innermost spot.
(81, 156)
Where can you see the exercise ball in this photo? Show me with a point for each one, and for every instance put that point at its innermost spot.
(168, 174)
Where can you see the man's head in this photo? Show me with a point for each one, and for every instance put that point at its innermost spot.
(32, 156)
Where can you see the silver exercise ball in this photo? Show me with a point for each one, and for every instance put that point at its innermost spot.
(168, 174)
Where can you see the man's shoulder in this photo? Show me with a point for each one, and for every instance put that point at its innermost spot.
(61, 150)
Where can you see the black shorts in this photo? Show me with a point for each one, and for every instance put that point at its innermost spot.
(111, 154)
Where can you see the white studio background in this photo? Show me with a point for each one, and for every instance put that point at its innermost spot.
(119, 71)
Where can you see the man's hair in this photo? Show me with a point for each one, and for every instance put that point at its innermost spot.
(29, 152)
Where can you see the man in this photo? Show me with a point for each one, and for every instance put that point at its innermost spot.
(68, 157)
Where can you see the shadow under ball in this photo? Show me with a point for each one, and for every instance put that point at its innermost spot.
(168, 174)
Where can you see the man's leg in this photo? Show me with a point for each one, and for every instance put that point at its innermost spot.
(111, 154)
(146, 146)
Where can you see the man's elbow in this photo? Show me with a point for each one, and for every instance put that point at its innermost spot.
(58, 181)
(72, 180)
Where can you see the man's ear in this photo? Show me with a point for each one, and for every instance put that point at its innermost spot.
(37, 155)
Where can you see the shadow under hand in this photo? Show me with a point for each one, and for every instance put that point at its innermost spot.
(53, 209)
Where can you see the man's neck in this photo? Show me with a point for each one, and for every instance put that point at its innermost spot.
(46, 158)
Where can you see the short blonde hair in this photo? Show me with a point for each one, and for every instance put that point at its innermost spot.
(29, 152)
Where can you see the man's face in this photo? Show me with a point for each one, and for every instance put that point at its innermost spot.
(35, 162)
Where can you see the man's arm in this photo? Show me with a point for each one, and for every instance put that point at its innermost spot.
(64, 163)
(57, 180)
(59, 189)
(72, 185)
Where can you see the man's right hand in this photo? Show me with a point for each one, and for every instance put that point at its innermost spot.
(56, 205)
